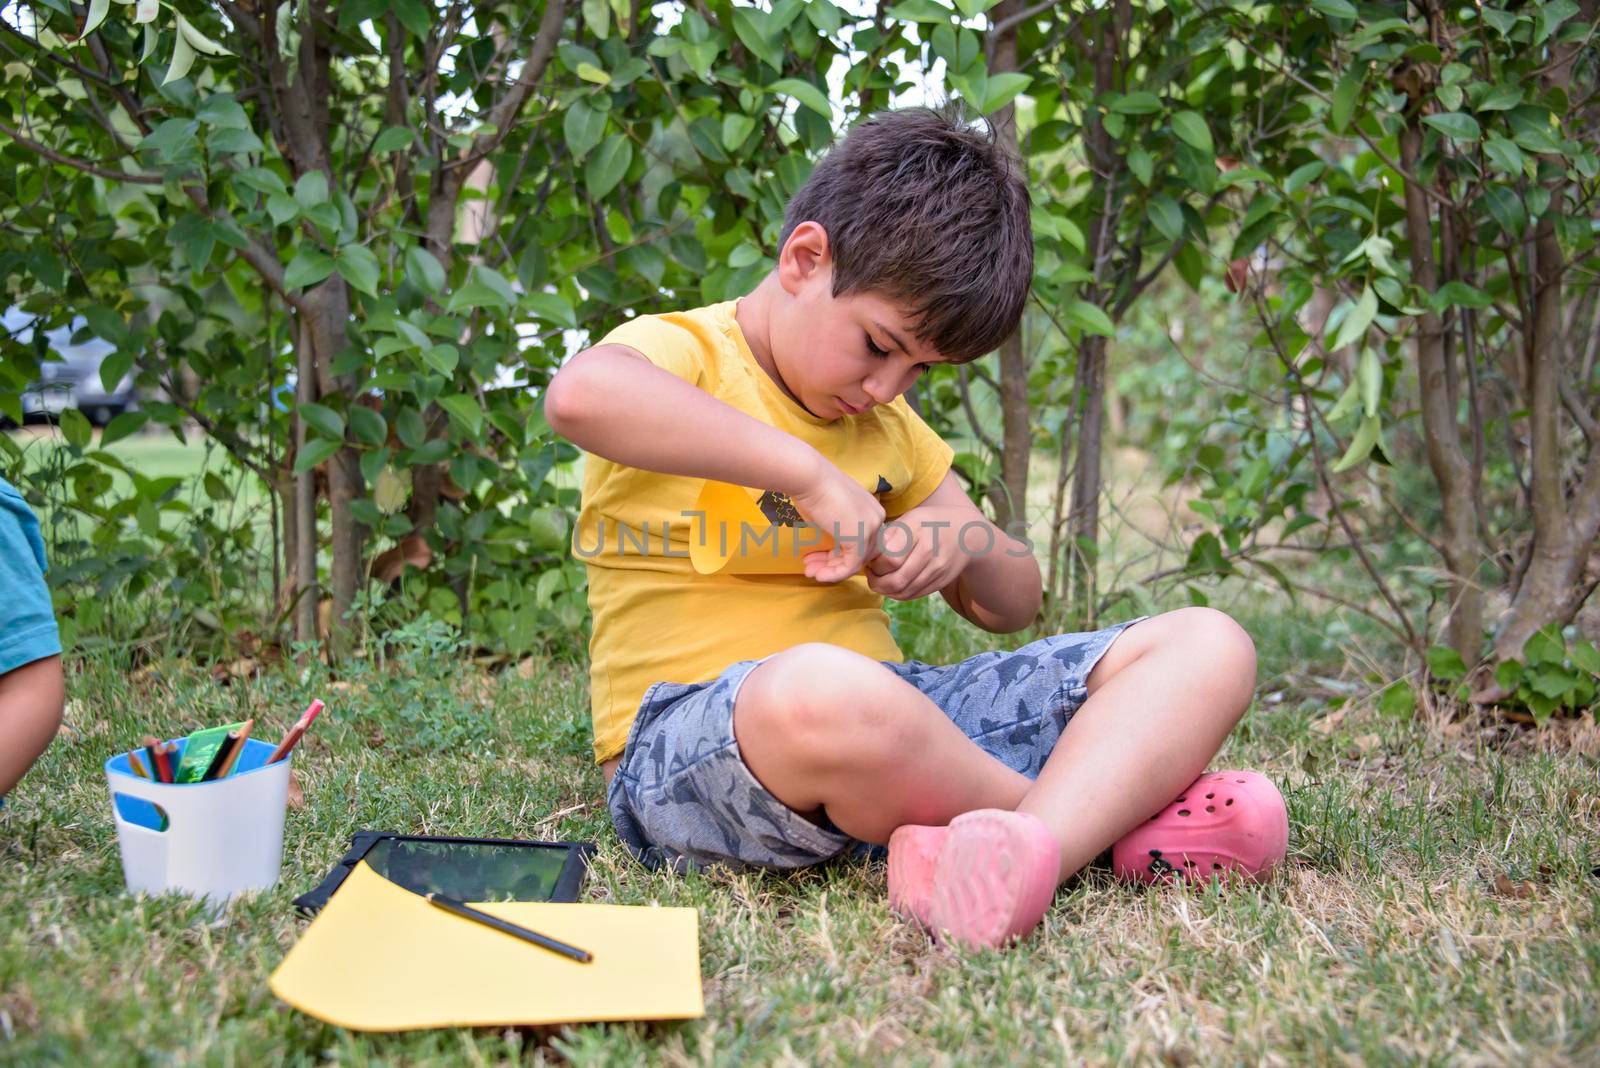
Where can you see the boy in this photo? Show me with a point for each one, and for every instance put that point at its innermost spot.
(771, 721)
(31, 687)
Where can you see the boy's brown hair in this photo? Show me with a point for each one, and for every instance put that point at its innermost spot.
(931, 213)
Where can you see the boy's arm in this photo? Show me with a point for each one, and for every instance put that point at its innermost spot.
(613, 402)
(1001, 589)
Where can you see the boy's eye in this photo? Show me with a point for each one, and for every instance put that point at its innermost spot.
(874, 349)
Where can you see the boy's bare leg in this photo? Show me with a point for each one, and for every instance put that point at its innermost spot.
(820, 726)
(1161, 702)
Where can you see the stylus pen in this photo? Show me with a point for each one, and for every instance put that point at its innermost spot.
(450, 904)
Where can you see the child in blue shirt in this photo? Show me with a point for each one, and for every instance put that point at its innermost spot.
(31, 682)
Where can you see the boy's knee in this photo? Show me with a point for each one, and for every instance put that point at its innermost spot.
(820, 700)
(1221, 648)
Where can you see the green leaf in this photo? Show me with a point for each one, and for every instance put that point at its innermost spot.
(359, 267)
(920, 11)
(410, 427)
(368, 426)
(1346, 402)
(591, 73)
(1445, 663)
(1398, 701)
(309, 266)
(392, 139)
(1458, 294)
(282, 208)
(182, 59)
(1166, 216)
(1142, 164)
(1361, 445)
(1137, 103)
(552, 308)
(224, 113)
(608, 165)
(199, 41)
(1504, 154)
(1582, 653)
(736, 126)
(311, 189)
(97, 15)
(1001, 89)
(597, 16)
(1339, 9)
(414, 15)
(583, 126)
(322, 419)
(1456, 125)
(424, 270)
(806, 93)
(1191, 128)
(121, 426)
(442, 358)
(317, 451)
(1501, 98)
(1088, 318)
(1369, 372)
(464, 409)
(1345, 95)
(1550, 17)
(75, 428)
(1357, 319)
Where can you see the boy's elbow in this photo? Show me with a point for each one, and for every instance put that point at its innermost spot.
(563, 399)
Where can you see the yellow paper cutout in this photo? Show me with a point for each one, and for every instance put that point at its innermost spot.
(768, 548)
(380, 958)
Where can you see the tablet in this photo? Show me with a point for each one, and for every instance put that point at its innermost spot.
(467, 869)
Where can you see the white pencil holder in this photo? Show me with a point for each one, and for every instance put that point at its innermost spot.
(220, 838)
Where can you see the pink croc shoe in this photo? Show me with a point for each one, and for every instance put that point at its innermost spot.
(1231, 824)
(982, 881)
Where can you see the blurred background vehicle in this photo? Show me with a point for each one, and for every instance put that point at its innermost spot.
(70, 378)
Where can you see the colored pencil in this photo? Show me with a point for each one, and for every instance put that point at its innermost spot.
(467, 912)
(292, 739)
(237, 747)
(136, 764)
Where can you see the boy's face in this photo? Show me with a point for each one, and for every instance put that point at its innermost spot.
(838, 355)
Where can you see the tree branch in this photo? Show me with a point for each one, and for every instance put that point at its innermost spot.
(77, 164)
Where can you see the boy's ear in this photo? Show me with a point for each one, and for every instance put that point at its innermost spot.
(806, 253)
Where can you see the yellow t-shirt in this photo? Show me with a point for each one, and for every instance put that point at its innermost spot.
(655, 618)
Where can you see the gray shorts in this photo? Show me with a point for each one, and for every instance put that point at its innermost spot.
(682, 796)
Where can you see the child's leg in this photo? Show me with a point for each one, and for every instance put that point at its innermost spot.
(31, 699)
(822, 727)
(1161, 701)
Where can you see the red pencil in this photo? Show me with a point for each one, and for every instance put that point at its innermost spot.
(292, 739)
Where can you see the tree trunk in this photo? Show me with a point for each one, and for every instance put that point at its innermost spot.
(304, 587)
(1110, 30)
(329, 304)
(1554, 587)
(1009, 499)
(1452, 469)
(1083, 515)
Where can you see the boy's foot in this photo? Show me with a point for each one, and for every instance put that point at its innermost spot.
(983, 880)
(1229, 824)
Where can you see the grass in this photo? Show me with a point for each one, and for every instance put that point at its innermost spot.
(1439, 904)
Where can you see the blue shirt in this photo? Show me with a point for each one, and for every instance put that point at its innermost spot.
(27, 621)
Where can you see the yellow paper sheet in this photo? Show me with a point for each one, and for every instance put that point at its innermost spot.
(768, 548)
(380, 958)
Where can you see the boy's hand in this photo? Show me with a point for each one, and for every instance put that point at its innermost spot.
(836, 504)
(923, 561)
